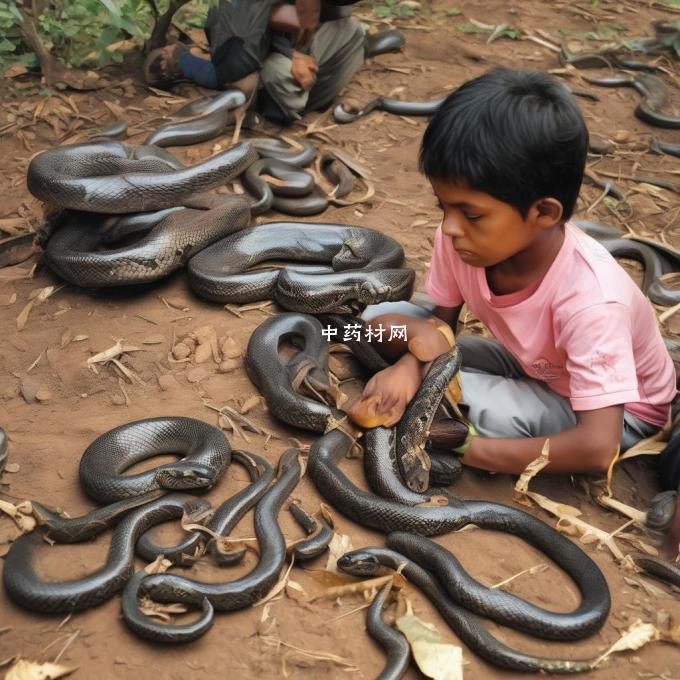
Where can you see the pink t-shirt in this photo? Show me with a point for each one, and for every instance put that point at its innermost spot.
(587, 331)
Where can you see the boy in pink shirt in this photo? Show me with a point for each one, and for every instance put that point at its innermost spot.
(577, 355)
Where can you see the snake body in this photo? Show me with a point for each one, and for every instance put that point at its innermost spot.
(290, 195)
(657, 566)
(396, 106)
(466, 626)
(30, 591)
(209, 119)
(656, 259)
(269, 373)
(319, 533)
(415, 423)
(654, 97)
(499, 605)
(224, 271)
(300, 154)
(391, 640)
(206, 456)
(223, 520)
(246, 590)
(104, 177)
(73, 253)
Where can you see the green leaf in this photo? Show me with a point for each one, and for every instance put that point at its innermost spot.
(469, 27)
(110, 5)
(6, 45)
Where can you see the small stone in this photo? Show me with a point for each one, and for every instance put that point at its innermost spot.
(153, 340)
(599, 145)
(622, 136)
(196, 375)
(117, 399)
(43, 394)
(230, 348)
(229, 365)
(166, 382)
(29, 388)
(203, 353)
(181, 351)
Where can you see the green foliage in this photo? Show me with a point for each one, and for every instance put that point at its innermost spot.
(606, 32)
(500, 31)
(78, 32)
(393, 8)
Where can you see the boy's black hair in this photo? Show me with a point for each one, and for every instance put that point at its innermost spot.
(516, 135)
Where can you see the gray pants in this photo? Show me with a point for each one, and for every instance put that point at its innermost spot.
(503, 401)
(338, 47)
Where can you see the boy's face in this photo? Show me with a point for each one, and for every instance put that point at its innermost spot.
(483, 230)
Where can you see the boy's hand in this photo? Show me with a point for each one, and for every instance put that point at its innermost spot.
(387, 394)
(308, 12)
(304, 70)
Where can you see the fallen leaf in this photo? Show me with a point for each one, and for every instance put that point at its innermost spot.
(531, 470)
(638, 635)
(436, 659)
(31, 670)
(339, 545)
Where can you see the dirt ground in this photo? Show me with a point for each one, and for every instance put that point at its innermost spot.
(48, 436)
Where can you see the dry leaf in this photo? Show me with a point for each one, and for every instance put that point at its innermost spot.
(22, 514)
(295, 591)
(311, 654)
(435, 659)
(531, 470)
(36, 297)
(31, 670)
(352, 588)
(339, 545)
(638, 635)
(250, 403)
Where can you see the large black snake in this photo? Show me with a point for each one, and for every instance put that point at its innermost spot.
(108, 177)
(342, 267)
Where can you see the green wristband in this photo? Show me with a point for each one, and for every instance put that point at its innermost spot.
(463, 448)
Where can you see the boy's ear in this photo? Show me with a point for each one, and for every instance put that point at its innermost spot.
(546, 212)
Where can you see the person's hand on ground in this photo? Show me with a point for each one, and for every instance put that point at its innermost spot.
(308, 12)
(387, 394)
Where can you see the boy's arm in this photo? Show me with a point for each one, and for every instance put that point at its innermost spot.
(590, 446)
(394, 387)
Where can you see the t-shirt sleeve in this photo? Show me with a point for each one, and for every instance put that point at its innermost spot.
(440, 282)
(599, 348)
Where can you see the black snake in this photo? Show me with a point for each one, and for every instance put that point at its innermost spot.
(72, 252)
(341, 267)
(205, 449)
(108, 177)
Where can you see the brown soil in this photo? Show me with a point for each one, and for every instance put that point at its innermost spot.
(47, 439)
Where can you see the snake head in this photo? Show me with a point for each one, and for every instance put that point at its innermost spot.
(360, 563)
(185, 476)
(372, 291)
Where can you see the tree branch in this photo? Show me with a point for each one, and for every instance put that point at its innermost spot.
(48, 65)
(159, 34)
